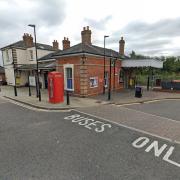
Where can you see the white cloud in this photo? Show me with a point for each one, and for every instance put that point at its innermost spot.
(144, 20)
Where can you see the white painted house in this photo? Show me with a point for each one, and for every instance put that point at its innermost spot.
(22, 53)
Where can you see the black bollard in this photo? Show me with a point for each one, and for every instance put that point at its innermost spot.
(67, 97)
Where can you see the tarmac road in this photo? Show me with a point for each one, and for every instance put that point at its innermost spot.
(165, 108)
(37, 145)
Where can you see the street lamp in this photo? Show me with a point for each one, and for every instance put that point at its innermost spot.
(37, 68)
(104, 63)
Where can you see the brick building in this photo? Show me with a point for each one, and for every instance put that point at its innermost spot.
(83, 66)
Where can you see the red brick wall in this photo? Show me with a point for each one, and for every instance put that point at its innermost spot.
(71, 60)
(95, 68)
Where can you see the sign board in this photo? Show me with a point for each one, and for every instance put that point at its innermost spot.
(93, 82)
(32, 81)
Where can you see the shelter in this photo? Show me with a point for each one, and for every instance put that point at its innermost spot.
(130, 65)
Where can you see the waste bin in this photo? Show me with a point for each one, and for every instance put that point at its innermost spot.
(158, 82)
(138, 91)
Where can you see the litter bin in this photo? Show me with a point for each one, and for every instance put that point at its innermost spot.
(158, 82)
(138, 91)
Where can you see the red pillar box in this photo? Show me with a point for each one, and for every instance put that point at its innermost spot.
(55, 87)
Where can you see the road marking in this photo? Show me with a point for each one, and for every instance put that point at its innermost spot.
(169, 119)
(88, 123)
(157, 100)
(145, 102)
(3, 102)
(131, 128)
(143, 141)
(128, 104)
(35, 109)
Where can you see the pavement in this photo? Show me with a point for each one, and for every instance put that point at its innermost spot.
(75, 145)
(119, 98)
(127, 96)
(33, 101)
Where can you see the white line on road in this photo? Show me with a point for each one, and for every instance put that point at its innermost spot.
(145, 102)
(35, 109)
(169, 119)
(131, 128)
(3, 102)
(128, 104)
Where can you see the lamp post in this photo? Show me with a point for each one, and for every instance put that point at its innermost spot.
(37, 68)
(104, 62)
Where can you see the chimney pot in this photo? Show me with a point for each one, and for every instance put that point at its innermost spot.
(66, 43)
(28, 40)
(121, 46)
(86, 35)
(55, 45)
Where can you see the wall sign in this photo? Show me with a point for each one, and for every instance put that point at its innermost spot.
(32, 81)
(93, 82)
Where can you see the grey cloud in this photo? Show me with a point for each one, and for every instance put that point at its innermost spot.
(47, 15)
(164, 28)
(100, 24)
(149, 37)
(144, 44)
(13, 19)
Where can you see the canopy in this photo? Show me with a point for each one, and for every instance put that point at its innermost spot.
(42, 66)
(130, 63)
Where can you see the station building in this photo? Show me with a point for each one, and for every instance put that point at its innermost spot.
(83, 66)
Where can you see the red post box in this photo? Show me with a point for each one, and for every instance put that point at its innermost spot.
(56, 87)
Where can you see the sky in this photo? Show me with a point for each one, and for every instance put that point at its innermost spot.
(149, 27)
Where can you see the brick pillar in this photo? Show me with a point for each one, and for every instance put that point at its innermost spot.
(14, 57)
(83, 81)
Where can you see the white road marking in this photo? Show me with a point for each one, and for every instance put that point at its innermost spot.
(145, 102)
(131, 128)
(157, 100)
(143, 141)
(88, 123)
(169, 119)
(35, 109)
(128, 104)
(3, 102)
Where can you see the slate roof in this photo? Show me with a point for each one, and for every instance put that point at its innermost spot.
(21, 44)
(87, 48)
(47, 57)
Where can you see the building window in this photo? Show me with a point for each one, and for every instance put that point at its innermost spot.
(31, 54)
(106, 79)
(93, 82)
(69, 77)
(7, 56)
(121, 76)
